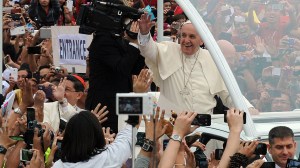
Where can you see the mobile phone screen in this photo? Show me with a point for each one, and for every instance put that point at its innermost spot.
(261, 149)
(25, 155)
(202, 120)
(218, 154)
(34, 50)
(30, 117)
(165, 143)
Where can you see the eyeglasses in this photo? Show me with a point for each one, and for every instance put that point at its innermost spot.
(69, 90)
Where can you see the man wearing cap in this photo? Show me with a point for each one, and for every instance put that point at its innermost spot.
(68, 92)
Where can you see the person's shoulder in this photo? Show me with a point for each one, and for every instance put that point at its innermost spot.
(57, 164)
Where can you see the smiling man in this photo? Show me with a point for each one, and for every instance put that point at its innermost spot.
(186, 74)
(282, 145)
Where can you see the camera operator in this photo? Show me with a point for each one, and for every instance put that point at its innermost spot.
(112, 60)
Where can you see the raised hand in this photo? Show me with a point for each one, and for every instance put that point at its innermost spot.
(100, 113)
(235, 120)
(145, 24)
(109, 138)
(36, 160)
(142, 83)
(59, 91)
(248, 148)
(183, 123)
(27, 95)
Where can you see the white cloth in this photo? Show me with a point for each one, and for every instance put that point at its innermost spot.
(51, 115)
(114, 156)
(166, 60)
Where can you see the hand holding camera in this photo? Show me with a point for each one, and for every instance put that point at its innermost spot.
(248, 148)
(183, 123)
(235, 120)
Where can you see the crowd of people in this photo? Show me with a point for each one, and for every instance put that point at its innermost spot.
(64, 119)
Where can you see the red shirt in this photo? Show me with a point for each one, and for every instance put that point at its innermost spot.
(151, 3)
(267, 32)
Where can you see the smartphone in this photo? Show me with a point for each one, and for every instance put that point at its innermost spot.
(261, 149)
(140, 138)
(240, 48)
(291, 42)
(165, 143)
(202, 120)
(192, 139)
(69, 4)
(274, 93)
(268, 165)
(17, 30)
(26, 155)
(291, 163)
(17, 138)
(63, 124)
(218, 154)
(45, 32)
(14, 73)
(276, 71)
(244, 118)
(34, 50)
(15, 16)
(30, 118)
(57, 154)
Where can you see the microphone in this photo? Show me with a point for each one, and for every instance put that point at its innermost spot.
(123, 8)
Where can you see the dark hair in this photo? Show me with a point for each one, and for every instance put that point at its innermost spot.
(280, 132)
(44, 67)
(83, 138)
(78, 86)
(26, 68)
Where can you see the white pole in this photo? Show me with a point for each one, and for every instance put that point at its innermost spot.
(160, 20)
(220, 61)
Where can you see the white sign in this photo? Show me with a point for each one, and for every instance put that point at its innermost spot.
(70, 47)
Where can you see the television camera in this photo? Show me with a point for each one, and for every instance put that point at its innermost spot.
(105, 16)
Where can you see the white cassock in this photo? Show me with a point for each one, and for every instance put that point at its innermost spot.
(172, 71)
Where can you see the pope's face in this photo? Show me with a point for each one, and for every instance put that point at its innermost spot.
(190, 40)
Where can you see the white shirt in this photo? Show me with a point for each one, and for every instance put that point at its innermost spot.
(113, 157)
(54, 111)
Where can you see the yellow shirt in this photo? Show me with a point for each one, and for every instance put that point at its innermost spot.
(18, 97)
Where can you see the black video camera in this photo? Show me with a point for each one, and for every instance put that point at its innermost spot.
(105, 16)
